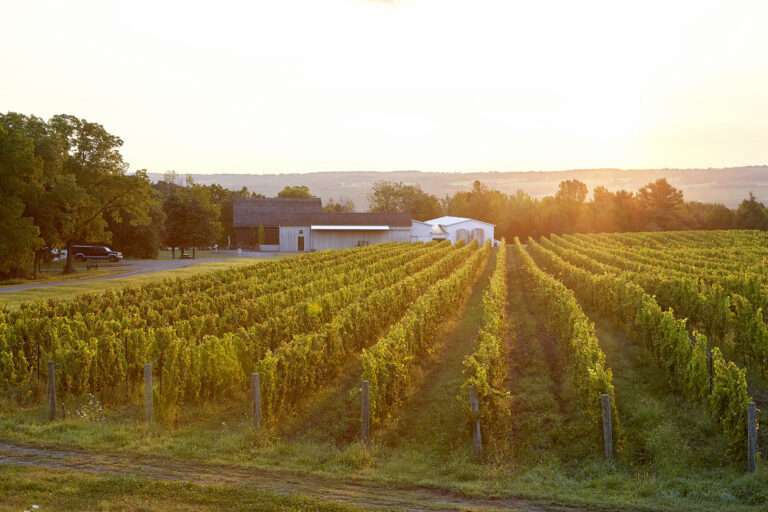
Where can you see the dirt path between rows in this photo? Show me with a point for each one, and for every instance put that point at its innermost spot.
(362, 493)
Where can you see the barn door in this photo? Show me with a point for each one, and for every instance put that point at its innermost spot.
(301, 243)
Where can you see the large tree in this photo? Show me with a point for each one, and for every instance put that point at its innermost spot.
(662, 203)
(342, 206)
(53, 202)
(299, 191)
(569, 201)
(139, 240)
(97, 167)
(388, 196)
(20, 174)
(192, 219)
(751, 214)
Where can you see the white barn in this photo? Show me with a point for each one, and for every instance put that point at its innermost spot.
(462, 228)
(298, 224)
(425, 232)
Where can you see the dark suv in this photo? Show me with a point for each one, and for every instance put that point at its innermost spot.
(95, 252)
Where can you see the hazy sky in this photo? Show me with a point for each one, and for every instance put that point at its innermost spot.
(434, 85)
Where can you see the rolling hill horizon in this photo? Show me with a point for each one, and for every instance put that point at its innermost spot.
(728, 186)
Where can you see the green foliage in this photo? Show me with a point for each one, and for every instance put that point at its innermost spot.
(567, 321)
(191, 217)
(388, 363)
(682, 354)
(388, 196)
(298, 191)
(312, 358)
(20, 173)
(486, 367)
(342, 206)
(261, 236)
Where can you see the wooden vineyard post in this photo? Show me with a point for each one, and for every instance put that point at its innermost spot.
(607, 429)
(475, 406)
(256, 395)
(711, 367)
(751, 437)
(365, 412)
(51, 391)
(148, 391)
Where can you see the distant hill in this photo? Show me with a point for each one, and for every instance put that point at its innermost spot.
(727, 186)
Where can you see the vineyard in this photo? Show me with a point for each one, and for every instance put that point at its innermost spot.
(616, 370)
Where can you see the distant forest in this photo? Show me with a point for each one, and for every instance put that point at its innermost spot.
(65, 182)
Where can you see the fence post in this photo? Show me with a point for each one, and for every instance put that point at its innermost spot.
(148, 391)
(751, 437)
(711, 367)
(475, 406)
(365, 412)
(607, 429)
(256, 395)
(51, 391)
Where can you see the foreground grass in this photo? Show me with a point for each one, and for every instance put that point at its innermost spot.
(23, 487)
(13, 299)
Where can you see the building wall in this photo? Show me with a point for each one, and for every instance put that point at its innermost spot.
(469, 229)
(421, 232)
(289, 238)
(346, 239)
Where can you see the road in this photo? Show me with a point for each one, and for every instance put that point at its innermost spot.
(137, 267)
(353, 491)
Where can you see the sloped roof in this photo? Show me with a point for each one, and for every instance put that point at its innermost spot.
(245, 207)
(448, 221)
(246, 218)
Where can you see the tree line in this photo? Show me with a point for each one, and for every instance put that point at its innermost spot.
(64, 182)
(657, 206)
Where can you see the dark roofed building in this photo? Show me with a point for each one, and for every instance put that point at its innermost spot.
(301, 225)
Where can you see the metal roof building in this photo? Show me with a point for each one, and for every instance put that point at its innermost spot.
(463, 228)
(301, 225)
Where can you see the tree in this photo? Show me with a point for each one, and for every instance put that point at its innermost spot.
(53, 204)
(299, 191)
(20, 174)
(343, 206)
(388, 196)
(261, 235)
(174, 232)
(569, 200)
(603, 209)
(751, 214)
(629, 215)
(95, 164)
(140, 240)
(661, 203)
(192, 220)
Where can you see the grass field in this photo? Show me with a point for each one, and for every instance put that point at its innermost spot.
(43, 489)
(13, 299)
(672, 455)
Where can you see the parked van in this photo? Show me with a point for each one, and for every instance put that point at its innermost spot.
(95, 252)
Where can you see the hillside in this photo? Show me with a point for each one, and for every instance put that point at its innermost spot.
(728, 186)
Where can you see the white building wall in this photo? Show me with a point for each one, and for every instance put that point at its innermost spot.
(469, 228)
(289, 238)
(420, 231)
(323, 239)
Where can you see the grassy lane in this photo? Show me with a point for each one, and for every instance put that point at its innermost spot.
(671, 443)
(537, 383)
(429, 440)
(25, 487)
